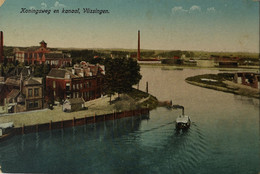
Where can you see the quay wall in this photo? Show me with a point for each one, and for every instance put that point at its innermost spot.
(78, 121)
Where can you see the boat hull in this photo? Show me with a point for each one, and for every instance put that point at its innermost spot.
(183, 122)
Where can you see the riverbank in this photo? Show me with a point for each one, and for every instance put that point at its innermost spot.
(180, 67)
(101, 106)
(223, 82)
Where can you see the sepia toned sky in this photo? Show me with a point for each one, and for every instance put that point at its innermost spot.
(208, 25)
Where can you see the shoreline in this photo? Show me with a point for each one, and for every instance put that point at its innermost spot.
(100, 106)
(225, 86)
(176, 67)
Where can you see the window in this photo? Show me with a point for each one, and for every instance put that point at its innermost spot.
(91, 94)
(36, 92)
(31, 104)
(54, 93)
(54, 84)
(81, 86)
(30, 92)
(74, 86)
(67, 86)
(40, 55)
(77, 86)
(90, 84)
(36, 104)
(98, 81)
(98, 91)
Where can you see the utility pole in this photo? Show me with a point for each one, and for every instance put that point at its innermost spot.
(146, 87)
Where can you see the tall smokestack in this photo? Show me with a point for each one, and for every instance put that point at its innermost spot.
(138, 52)
(1, 47)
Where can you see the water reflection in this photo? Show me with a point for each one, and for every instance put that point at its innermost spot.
(247, 100)
(33, 152)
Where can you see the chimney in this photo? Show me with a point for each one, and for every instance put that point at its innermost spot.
(138, 51)
(1, 47)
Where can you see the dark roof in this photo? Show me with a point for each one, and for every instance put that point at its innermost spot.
(54, 55)
(59, 73)
(30, 49)
(76, 100)
(33, 48)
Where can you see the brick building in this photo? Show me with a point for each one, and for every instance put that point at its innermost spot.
(41, 55)
(248, 78)
(82, 81)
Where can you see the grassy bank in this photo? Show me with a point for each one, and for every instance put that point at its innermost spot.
(148, 100)
(222, 82)
(216, 79)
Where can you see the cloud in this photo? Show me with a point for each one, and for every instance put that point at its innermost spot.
(178, 9)
(44, 5)
(195, 8)
(211, 9)
(57, 4)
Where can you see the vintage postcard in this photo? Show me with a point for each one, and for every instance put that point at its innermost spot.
(129, 86)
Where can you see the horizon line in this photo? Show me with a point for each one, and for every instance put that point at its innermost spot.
(227, 51)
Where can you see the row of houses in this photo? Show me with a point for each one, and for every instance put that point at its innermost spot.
(23, 92)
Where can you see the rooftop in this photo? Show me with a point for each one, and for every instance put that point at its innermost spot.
(13, 94)
(76, 100)
(59, 73)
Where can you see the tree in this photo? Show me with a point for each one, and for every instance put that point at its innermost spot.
(109, 83)
(121, 75)
(38, 70)
(8, 67)
(46, 69)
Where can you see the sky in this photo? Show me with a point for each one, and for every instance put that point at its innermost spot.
(205, 25)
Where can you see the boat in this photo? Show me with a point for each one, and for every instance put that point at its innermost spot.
(6, 130)
(183, 122)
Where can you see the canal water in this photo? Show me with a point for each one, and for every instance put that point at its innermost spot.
(223, 137)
